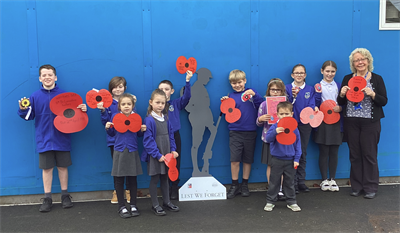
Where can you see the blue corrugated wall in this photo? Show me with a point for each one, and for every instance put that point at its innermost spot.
(89, 42)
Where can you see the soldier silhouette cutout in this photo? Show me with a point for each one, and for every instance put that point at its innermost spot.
(200, 117)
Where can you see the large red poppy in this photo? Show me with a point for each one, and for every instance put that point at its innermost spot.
(308, 116)
(330, 117)
(287, 137)
(183, 64)
(69, 118)
(356, 84)
(232, 114)
(123, 123)
(94, 97)
(170, 161)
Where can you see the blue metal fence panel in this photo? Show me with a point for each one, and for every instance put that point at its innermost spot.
(89, 42)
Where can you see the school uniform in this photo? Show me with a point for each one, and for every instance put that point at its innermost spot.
(305, 98)
(328, 136)
(48, 137)
(158, 140)
(362, 129)
(242, 133)
(126, 163)
(282, 163)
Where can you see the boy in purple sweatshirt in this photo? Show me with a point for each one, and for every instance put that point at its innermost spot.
(242, 133)
(52, 145)
(285, 159)
(174, 107)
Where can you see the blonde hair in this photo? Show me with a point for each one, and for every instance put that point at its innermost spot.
(279, 83)
(365, 53)
(236, 75)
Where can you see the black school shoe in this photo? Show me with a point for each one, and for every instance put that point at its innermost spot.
(46, 205)
(66, 201)
(233, 191)
(303, 188)
(158, 210)
(124, 213)
(245, 190)
(134, 211)
(171, 207)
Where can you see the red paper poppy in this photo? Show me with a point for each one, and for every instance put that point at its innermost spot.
(170, 161)
(246, 97)
(124, 123)
(232, 114)
(330, 117)
(173, 173)
(356, 84)
(69, 118)
(183, 64)
(308, 116)
(287, 137)
(93, 98)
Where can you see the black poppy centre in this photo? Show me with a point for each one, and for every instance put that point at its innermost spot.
(98, 98)
(230, 110)
(69, 113)
(127, 122)
(287, 131)
(329, 111)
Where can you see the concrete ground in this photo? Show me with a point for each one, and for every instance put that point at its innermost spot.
(321, 212)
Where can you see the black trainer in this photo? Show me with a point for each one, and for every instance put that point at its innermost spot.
(233, 191)
(245, 190)
(66, 201)
(46, 205)
(171, 207)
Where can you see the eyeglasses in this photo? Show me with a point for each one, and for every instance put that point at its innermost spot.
(275, 90)
(358, 60)
(299, 73)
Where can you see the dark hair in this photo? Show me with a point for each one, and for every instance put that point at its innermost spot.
(299, 65)
(49, 67)
(126, 95)
(286, 105)
(167, 82)
(279, 83)
(329, 63)
(158, 92)
(114, 82)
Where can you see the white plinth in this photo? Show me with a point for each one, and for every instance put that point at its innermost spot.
(202, 188)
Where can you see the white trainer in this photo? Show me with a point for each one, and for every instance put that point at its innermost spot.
(334, 187)
(325, 185)
(269, 207)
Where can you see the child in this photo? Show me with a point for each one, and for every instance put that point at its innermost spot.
(53, 146)
(126, 161)
(242, 133)
(116, 87)
(158, 141)
(285, 158)
(276, 87)
(328, 137)
(301, 96)
(174, 107)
